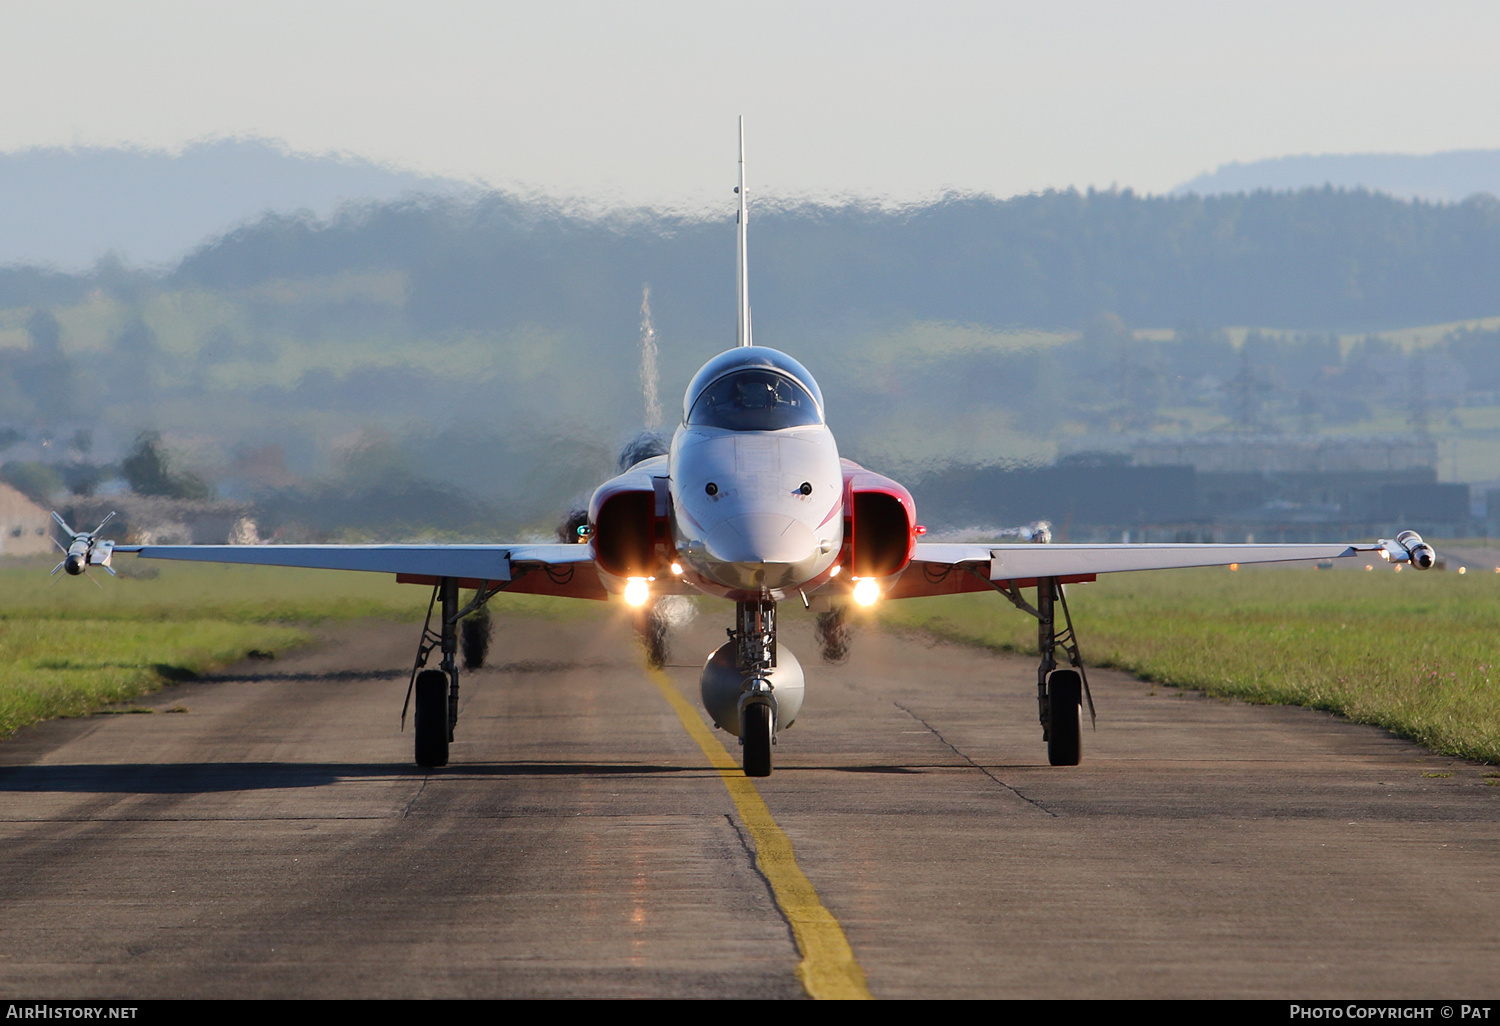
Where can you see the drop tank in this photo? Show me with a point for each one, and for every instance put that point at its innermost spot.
(723, 685)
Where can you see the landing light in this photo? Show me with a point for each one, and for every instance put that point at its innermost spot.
(867, 591)
(676, 569)
(637, 591)
(839, 566)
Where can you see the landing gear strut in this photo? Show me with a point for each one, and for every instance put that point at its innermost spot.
(754, 638)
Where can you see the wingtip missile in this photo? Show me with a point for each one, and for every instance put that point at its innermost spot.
(85, 548)
(1408, 547)
(1419, 553)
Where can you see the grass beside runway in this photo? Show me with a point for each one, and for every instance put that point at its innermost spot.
(1416, 653)
(68, 648)
(57, 667)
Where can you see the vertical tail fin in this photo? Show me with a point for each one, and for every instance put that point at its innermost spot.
(742, 269)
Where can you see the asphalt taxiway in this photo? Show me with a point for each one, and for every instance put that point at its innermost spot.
(275, 840)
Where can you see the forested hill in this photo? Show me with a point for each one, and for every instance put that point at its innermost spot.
(463, 365)
(1319, 258)
(1436, 177)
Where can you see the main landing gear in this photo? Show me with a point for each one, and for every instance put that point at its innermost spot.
(475, 636)
(832, 634)
(653, 628)
(433, 694)
(1060, 693)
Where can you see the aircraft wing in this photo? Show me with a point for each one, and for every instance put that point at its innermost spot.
(472, 564)
(940, 568)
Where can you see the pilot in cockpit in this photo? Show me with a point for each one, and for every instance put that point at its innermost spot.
(759, 394)
(754, 400)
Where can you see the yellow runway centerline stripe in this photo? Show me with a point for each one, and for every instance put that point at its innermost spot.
(828, 968)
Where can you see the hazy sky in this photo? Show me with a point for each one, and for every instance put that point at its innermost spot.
(636, 102)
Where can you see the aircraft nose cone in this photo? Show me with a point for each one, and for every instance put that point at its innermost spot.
(762, 549)
(761, 538)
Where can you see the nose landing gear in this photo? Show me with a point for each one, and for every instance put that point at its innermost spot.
(754, 639)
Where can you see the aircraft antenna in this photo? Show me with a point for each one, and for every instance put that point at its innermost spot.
(742, 268)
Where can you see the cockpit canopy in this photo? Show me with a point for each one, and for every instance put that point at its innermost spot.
(753, 388)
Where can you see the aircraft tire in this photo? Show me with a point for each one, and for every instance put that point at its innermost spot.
(832, 633)
(430, 721)
(1065, 718)
(656, 639)
(474, 636)
(756, 731)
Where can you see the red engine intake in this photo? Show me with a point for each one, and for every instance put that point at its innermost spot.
(629, 519)
(880, 523)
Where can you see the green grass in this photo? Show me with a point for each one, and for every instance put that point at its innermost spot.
(57, 667)
(1415, 653)
(68, 648)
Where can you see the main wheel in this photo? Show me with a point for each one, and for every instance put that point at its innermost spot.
(475, 632)
(431, 719)
(656, 638)
(652, 628)
(1064, 718)
(832, 633)
(755, 731)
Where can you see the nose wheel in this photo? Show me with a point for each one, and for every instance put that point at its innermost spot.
(756, 730)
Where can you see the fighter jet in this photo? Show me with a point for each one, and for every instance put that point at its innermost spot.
(754, 505)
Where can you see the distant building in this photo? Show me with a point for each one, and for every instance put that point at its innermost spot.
(24, 526)
(1081, 493)
(1212, 488)
(1267, 454)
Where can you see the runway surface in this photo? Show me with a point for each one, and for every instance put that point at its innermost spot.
(275, 840)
